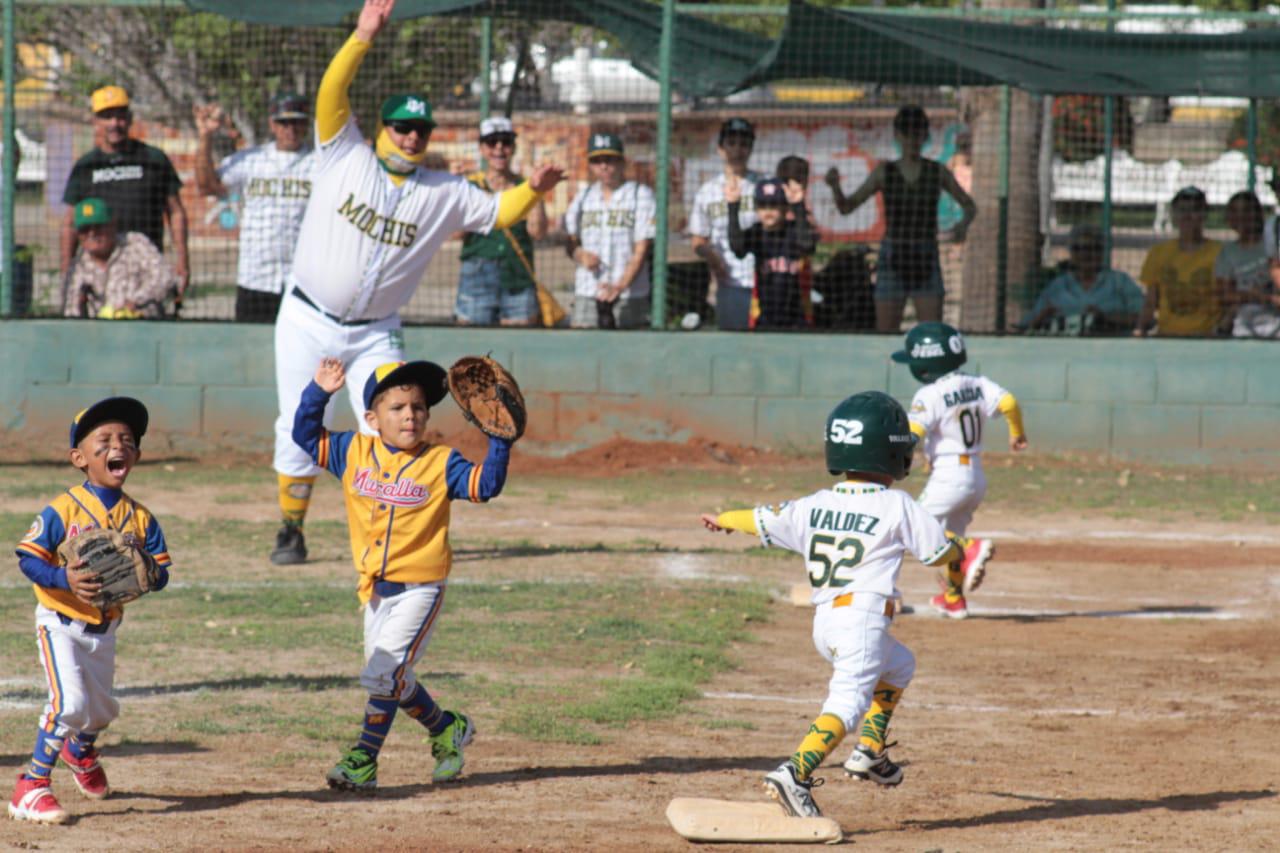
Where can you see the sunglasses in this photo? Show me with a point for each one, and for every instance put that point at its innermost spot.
(119, 113)
(292, 122)
(406, 127)
(507, 139)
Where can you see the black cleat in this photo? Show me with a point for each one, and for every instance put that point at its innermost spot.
(291, 547)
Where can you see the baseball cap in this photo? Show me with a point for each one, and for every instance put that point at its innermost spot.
(405, 107)
(1192, 194)
(605, 144)
(108, 98)
(496, 124)
(770, 191)
(427, 375)
(287, 105)
(737, 126)
(127, 410)
(91, 211)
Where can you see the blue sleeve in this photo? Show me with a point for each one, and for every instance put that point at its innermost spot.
(329, 450)
(158, 548)
(478, 483)
(41, 573)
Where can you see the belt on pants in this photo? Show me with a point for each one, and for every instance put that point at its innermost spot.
(341, 322)
(89, 627)
(847, 599)
(386, 589)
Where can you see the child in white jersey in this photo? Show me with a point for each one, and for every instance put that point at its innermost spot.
(853, 536)
(949, 413)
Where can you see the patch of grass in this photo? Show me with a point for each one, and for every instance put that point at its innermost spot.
(718, 724)
(545, 723)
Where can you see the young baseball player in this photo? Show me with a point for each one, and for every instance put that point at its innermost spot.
(853, 536)
(76, 641)
(399, 488)
(611, 228)
(780, 241)
(375, 217)
(949, 413)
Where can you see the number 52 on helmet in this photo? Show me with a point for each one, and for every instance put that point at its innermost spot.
(869, 432)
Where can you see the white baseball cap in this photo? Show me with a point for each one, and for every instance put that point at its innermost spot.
(496, 124)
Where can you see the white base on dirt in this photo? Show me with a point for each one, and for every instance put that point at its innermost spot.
(700, 819)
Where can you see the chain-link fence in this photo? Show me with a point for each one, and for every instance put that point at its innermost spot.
(890, 238)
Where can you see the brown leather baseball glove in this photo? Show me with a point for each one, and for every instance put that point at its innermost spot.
(488, 395)
(118, 562)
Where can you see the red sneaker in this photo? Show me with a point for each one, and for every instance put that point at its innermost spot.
(33, 800)
(90, 778)
(951, 609)
(974, 562)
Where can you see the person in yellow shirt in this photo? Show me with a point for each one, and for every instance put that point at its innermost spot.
(1182, 296)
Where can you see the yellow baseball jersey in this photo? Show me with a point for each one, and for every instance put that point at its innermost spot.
(82, 508)
(397, 501)
(1188, 296)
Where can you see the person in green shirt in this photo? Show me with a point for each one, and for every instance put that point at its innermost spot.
(496, 285)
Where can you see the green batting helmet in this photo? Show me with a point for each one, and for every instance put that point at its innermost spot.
(869, 432)
(932, 350)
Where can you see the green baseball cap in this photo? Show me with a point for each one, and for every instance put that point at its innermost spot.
(92, 211)
(602, 144)
(404, 107)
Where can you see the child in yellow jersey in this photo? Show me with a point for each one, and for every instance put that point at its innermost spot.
(77, 641)
(853, 536)
(398, 492)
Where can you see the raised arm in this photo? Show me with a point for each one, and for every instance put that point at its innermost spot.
(333, 106)
(847, 204)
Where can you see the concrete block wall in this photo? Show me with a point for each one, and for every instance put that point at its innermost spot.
(1180, 402)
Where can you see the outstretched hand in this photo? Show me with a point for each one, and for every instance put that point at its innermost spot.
(709, 522)
(833, 177)
(373, 17)
(794, 191)
(545, 178)
(331, 375)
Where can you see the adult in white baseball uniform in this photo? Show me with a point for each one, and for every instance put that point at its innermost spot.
(611, 227)
(374, 220)
(853, 536)
(274, 181)
(949, 414)
(733, 277)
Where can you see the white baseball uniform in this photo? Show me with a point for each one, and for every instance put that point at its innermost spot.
(710, 218)
(362, 250)
(274, 186)
(610, 229)
(852, 537)
(954, 410)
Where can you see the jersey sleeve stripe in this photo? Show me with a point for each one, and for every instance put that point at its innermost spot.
(322, 449)
(473, 484)
(162, 558)
(36, 551)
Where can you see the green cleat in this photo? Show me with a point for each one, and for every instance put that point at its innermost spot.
(446, 748)
(357, 771)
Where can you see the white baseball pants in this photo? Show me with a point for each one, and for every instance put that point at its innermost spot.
(856, 641)
(304, 336)
(954, 492)
(79, 667)
(397, 630)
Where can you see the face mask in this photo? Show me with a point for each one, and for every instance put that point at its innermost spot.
(393, 159)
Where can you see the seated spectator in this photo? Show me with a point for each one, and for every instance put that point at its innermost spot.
(1086, 295)
(1243, 272)
(1182, 298)
(779, 245)
(115, 276)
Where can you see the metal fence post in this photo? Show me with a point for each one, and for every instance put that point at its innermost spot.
(662, 175)
(1002, 221)
(486, 60)
(10, 140)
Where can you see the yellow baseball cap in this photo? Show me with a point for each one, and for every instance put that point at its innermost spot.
(108, 98)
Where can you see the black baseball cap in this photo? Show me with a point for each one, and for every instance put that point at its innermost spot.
(429, 376)
(737, 126)
(126, 410)
(289, 105)
(770, 192)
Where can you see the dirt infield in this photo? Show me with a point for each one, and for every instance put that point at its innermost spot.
(1118, 685)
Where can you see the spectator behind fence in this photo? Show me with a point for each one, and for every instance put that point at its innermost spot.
(496, 284)
(274, 182)
(1085, 296)
(709, 225)
(1244, 271)
(780, 242)
(911, 186)
(1182, 297)
(137, 181)
(115, 276)
(611, 226)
